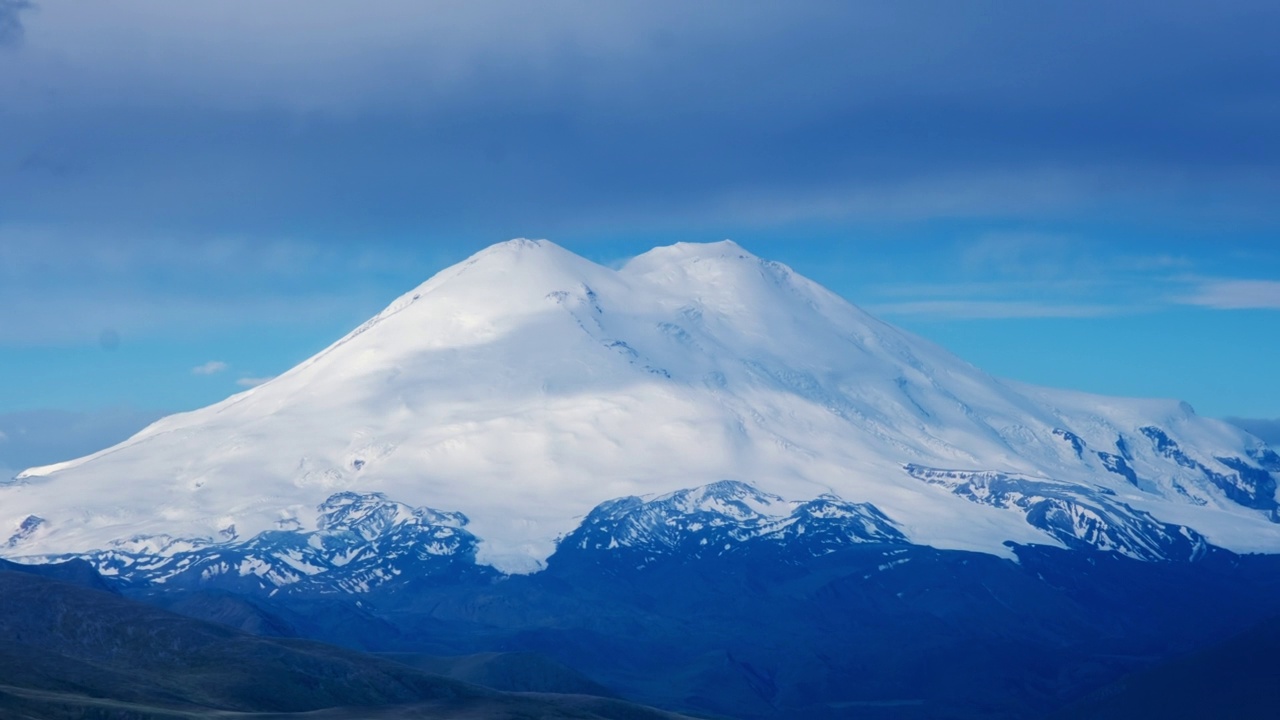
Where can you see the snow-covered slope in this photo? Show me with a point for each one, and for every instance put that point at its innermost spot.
(526, 386)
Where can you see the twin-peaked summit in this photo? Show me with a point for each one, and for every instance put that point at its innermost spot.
(527, 385)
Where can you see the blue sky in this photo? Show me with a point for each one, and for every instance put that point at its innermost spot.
(1075, 194)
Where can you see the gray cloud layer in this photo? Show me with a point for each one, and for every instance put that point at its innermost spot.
(517, 117)
(11, 20)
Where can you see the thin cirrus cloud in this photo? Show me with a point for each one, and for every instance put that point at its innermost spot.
(213, 367)
(1235, 295)
(1225, 294)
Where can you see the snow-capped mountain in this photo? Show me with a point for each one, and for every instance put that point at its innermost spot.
(528, 388)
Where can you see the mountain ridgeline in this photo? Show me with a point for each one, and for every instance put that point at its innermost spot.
(702, 481)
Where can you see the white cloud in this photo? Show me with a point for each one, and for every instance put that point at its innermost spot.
(253, 381)
(212, 367)
(1236, 295)
(1029, 255)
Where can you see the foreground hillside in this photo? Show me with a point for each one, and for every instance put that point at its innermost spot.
(1235, 679)
(870, 630)
(70, 651)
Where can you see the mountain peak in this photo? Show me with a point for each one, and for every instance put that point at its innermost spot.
(518, 247)
(686, 253)
(531, 259)
(526, 384)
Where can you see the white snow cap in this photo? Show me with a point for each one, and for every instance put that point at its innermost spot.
(526, 385)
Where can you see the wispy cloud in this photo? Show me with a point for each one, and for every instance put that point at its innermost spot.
(11, 20)
(1033, 256)
(999, 275)
(1021, 275)
(1236, 295)
(213, 367)
(991, 309)
(249, 382)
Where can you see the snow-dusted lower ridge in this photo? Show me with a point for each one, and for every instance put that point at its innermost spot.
(1075, 515)
(363, 541)
(366, 541)
(725, 517)
(527, 385)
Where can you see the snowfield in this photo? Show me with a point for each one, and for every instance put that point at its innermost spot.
(526, 386)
